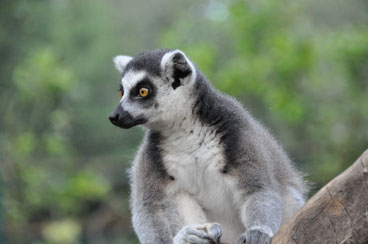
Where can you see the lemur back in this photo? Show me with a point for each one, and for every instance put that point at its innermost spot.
(206, 168)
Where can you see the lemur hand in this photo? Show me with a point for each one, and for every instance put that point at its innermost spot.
(209, 233)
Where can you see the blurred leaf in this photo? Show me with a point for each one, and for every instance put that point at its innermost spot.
(66, 231)
(25, 144)
(86, 185)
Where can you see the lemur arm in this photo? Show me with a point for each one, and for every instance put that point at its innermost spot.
(261, 214)
(154, 217)
(151, 224)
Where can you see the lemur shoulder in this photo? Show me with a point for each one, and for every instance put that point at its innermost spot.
(206, 169)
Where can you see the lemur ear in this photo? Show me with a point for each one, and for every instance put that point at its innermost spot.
(177, 68)
(121, 62)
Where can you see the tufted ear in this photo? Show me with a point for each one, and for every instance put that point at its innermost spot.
(178, 68)
(121, 62)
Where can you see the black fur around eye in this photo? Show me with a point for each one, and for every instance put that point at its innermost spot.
(143, 90)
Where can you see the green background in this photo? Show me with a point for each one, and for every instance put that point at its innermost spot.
(300, 67)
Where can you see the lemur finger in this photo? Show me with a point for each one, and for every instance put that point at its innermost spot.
(215, 232)
(196, 240)
(193, 231)
(212, 230)
(190, 235)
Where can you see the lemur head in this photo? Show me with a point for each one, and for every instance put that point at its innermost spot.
(154, 88)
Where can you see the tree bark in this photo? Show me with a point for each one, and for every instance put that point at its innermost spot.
(338, 213)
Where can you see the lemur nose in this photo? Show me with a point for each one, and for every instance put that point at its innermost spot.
(114, 118)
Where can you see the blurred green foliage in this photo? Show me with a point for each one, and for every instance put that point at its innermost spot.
(300, 67)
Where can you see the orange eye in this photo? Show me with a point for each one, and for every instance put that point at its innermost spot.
(143, 92)
(121, 93)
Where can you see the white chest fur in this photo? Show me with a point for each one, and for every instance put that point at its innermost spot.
(195, 158)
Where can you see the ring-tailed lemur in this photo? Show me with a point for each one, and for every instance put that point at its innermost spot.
(206, 168)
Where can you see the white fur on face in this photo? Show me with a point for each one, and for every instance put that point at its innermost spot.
(173, 104)
(129, 80)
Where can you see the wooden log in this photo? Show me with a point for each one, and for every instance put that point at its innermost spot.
(338, 213)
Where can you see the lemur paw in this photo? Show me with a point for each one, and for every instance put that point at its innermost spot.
(254, 236)
(209, 233)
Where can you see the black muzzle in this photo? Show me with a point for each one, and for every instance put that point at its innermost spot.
(123, 119)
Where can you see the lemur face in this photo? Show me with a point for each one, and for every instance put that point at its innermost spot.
(153, 87)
